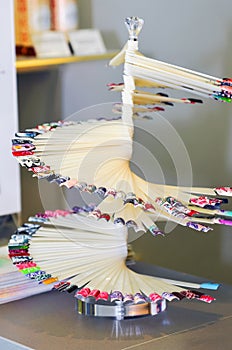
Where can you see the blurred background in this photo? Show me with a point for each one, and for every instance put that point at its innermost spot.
(194, 34)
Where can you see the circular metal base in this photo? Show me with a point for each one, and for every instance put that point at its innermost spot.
(119, 310)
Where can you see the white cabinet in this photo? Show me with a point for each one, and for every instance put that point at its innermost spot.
(9, 171)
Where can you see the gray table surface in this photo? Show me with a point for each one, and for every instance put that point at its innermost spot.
(49, 321)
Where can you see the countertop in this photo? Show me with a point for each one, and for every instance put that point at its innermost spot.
(49, 321)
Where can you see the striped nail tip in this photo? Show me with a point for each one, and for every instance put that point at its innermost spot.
(198, 227)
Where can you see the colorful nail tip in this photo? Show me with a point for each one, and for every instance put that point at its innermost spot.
(210, 285)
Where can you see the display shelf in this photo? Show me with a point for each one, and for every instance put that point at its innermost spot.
(25, 64)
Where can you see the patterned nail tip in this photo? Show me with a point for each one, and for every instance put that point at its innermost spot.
(91, 212)
(207, 202)
(138, 112)
(42, 171)
(18, 252)
(46, 127)
(155, 231)
(181, 212)
(198, 227)
(225, 92)
(96, 296)
(223, 191)
(224, 81)
(25, 264)
(119, 222)
(98, 215)
(174, 207)
(23, 144)
(25, 147)
(171, 205)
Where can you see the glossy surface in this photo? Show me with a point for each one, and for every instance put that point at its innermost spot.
(50, 321)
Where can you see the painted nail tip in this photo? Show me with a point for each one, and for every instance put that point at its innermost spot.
(210, 285)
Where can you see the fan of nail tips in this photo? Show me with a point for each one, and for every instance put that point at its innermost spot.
(69, 251)
(150, 73)
(94, 155)
(14, 286)
(88, 248)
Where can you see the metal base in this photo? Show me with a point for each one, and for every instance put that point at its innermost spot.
(120, 310)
